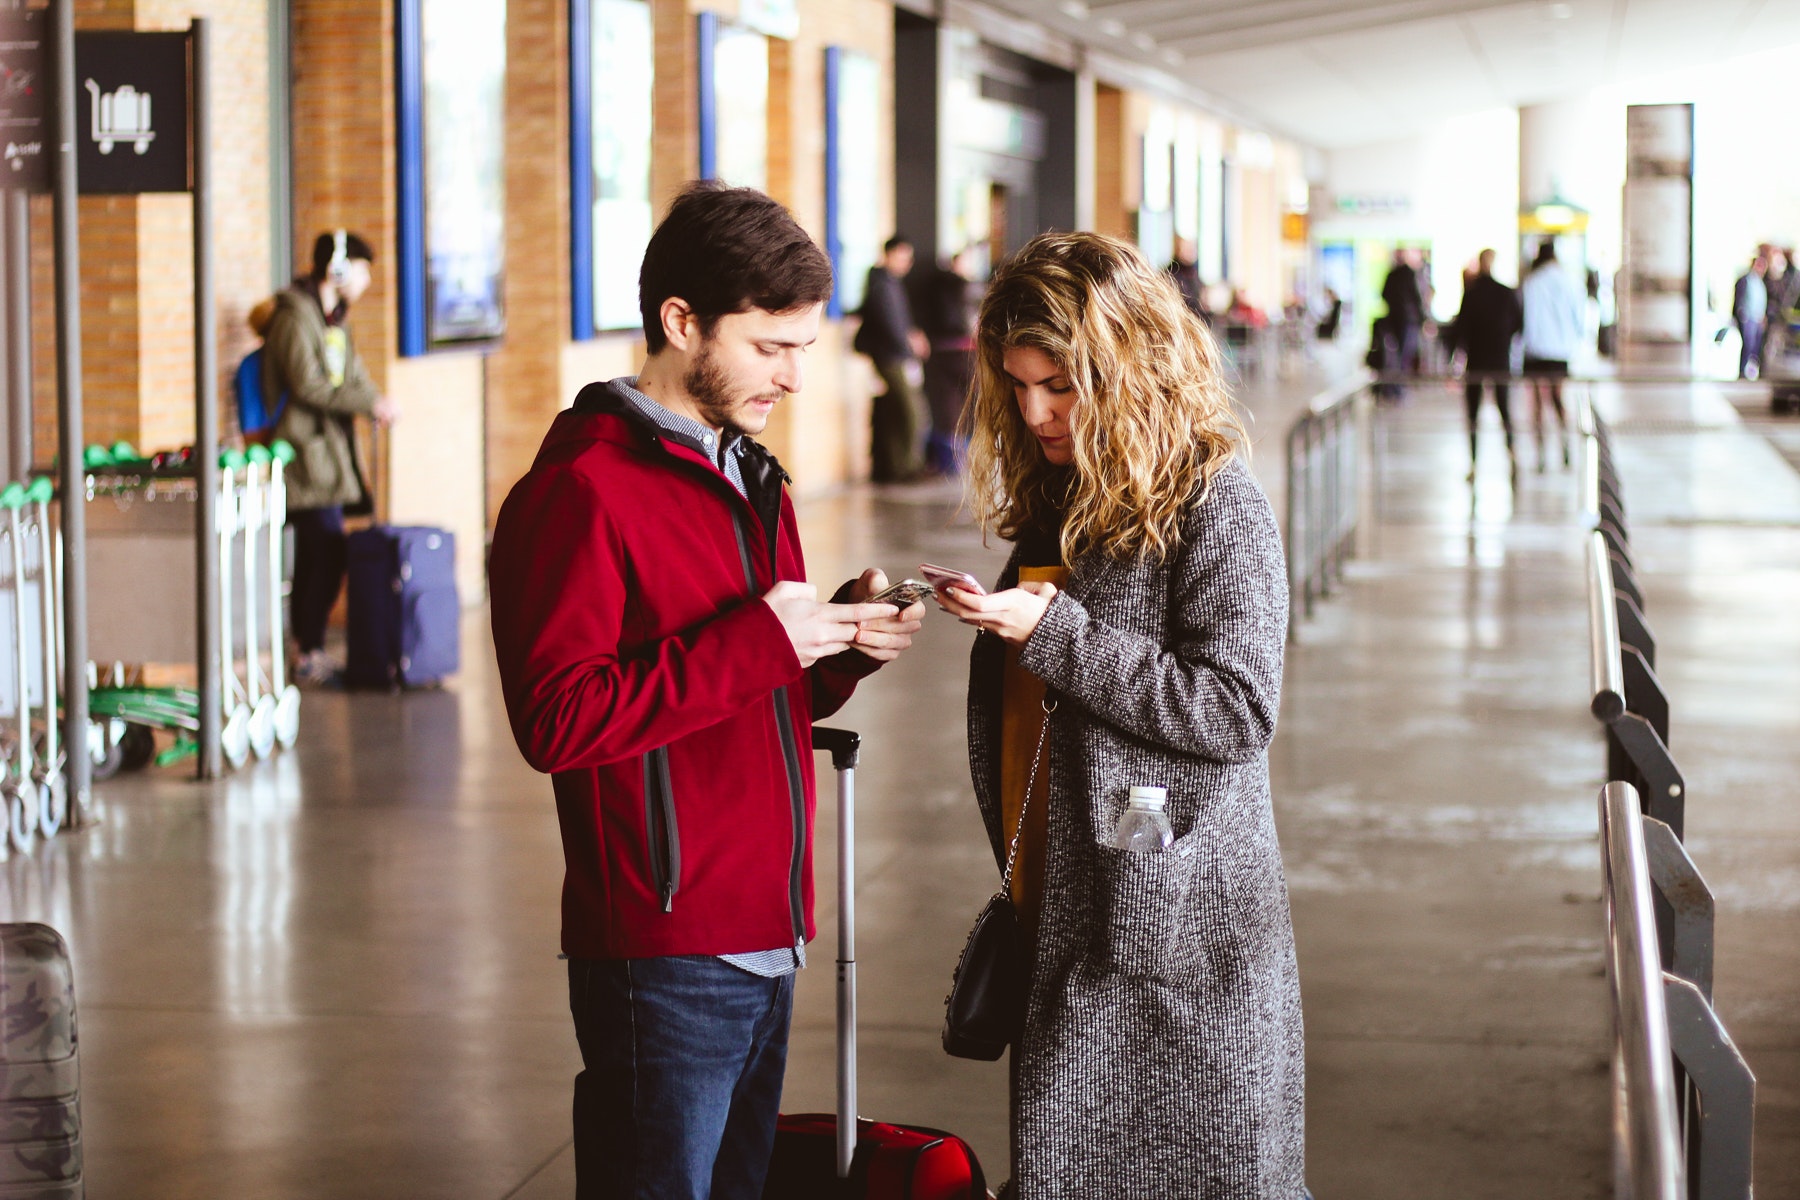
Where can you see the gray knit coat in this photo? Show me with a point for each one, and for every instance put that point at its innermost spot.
(1162, 1052)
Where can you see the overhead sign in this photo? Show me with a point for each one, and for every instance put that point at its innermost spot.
(131, 113)
(24, 66)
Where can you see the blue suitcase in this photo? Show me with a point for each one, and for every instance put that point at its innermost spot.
(403, 613)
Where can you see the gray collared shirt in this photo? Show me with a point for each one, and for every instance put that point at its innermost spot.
(726, 451)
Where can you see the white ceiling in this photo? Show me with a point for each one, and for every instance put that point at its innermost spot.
(1343, 72)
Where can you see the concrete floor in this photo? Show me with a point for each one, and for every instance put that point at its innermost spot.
(334, 975)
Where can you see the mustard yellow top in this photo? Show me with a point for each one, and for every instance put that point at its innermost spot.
(1021, 721)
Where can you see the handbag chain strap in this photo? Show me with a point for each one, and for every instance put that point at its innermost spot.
(1037, 759)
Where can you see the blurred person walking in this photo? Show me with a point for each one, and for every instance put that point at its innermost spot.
(1555, 310)
(895, 345)
(663, 658)
(1750, 312)
(1134, 641)
(1485, 327)
(308, 357)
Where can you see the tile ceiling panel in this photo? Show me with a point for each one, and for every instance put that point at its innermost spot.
(1327, 71)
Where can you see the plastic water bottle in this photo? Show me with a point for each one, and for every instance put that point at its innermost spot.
(1145, 826)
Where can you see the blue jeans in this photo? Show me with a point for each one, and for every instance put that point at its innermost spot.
(683, 1061)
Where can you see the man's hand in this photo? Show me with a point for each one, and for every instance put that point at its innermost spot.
(919, 343)
(1013, 614)
(385, 412)
(818, 630)
(884, 638)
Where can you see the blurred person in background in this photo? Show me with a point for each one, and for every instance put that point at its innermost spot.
(1554, 321)
(1749, 312)
(947, 305)
(1184, 269)
(1781, 287)
(895, 345)
(1405, 302)
(308, 357)
(1485, 327)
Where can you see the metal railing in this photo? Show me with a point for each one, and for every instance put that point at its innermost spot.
(1327, 448)
(1644, 1109)
(1683, 1096)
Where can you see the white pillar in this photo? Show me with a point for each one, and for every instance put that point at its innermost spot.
(1085, 132)
(1554, 154)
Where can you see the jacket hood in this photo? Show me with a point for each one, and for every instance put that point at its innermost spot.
(600, 413)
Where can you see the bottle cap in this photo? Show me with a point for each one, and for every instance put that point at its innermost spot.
(1143, 796)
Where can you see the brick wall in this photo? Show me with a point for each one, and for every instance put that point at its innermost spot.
(525, 387)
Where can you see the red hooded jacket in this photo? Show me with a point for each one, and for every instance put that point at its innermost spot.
(643, 671)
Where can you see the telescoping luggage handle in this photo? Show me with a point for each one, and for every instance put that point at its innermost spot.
(844, 745)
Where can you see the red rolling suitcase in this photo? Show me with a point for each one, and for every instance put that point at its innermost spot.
(822, 1154)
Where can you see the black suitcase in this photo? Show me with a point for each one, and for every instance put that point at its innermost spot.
(40, 1067)
(404, 618)
(820, 1155)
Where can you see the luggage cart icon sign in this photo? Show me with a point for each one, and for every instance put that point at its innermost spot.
(121, 116)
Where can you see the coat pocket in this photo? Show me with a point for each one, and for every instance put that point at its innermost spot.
(1143, 928)
(661, 834)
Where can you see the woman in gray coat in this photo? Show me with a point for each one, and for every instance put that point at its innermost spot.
(1135, 639)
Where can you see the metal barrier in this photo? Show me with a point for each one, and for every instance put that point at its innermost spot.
(1684, 1098)
(1644, 1109)
(1326, 449)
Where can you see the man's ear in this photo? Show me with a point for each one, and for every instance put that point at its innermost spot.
(679, 323)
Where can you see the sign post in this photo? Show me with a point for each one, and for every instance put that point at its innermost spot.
(24, 168)
(69, 430)
(206, 424)
(123, 117)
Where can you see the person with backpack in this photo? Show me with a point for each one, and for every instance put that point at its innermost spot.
(310, 361)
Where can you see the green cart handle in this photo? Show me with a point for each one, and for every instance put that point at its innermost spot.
(124, 452)
(232, 460)
(282, 450)
(258, 455)
(96, 457)
(41, 490)
(12, 497)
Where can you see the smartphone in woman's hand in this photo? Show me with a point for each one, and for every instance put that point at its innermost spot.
(944, 577)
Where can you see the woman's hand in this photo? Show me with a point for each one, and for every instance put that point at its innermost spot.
(1013, 614)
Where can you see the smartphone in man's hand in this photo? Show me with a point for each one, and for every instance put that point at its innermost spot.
(902, 595)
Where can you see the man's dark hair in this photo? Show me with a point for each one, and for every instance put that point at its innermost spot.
(895, 242)
(728, 250)
(325, 247)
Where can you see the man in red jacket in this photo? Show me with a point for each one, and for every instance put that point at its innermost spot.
(663, 658)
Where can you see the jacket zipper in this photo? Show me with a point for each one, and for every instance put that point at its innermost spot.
(790, 756)
(661, 834)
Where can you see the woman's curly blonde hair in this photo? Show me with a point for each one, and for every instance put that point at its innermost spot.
(1152, 420)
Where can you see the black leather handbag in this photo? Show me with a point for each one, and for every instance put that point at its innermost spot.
(985, 1010)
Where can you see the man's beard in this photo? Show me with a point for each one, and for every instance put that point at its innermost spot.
(710, 389)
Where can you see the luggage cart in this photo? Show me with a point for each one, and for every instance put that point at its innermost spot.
(259, 694)
(20, 786)
(287, 696)
(51, 758)
(234, 737)
(141, 532)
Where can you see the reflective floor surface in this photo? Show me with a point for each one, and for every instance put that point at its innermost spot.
(334, 975)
